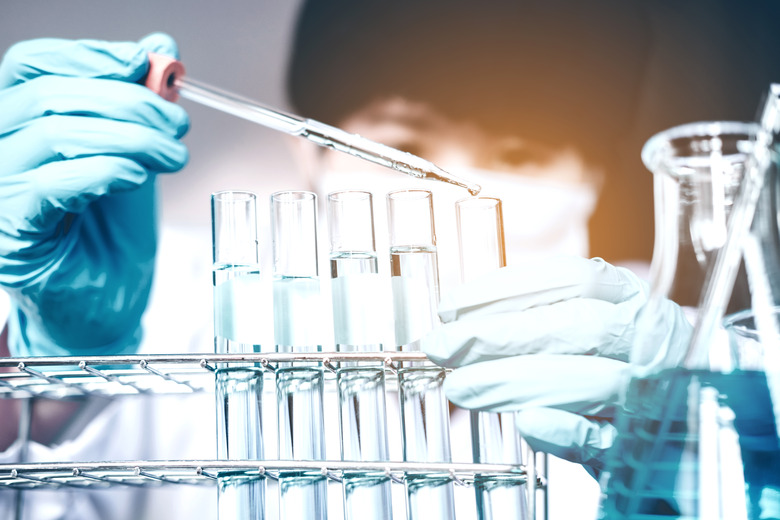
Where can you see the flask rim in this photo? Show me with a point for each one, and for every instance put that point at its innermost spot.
(657, 150)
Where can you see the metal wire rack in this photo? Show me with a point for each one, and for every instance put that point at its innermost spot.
(149, 375)
(61, 377)
(96, 475)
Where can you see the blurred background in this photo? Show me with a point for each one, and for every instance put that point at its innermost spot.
(706, 61)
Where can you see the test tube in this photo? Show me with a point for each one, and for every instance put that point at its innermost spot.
(424, 408)
(356, 285)
(297, 328)
(239, 389)
(493, 435)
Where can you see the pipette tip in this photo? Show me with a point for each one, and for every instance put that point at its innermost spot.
(441, 175)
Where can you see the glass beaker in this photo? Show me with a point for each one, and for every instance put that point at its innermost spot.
(687, 424)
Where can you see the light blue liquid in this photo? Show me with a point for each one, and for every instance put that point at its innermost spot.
(363, 416)
(367, 496)
(299, 396)
(415, 282)
(299, 391)
(351, 263)
(237, 303)
(239, 437)
(429, 496)
(424, 407)
(239, 390)
(361, 390)
(494, 441)
(240, 496)
(654, 467)
(426, 438)
(357, 312)
(298, 314)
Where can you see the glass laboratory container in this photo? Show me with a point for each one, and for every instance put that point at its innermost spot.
(239, 389)
(424, 407)
(694, 430)
(297, 328)
(357, 315)
(494, 438)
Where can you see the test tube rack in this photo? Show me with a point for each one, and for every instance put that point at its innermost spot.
(147, 375)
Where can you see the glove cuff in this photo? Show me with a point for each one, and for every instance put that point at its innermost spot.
(25, 339)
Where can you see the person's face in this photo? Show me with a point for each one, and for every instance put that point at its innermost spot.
(455, 145)
(548, 195)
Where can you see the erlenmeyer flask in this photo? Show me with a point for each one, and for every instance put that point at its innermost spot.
(686, 431)
(697, 171)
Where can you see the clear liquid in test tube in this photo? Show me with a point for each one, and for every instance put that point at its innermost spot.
(424, 407)
(356, 285)
(239, 389)
(493, 436)
(298, 328)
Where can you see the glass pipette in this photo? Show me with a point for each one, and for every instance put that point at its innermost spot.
(166, 77)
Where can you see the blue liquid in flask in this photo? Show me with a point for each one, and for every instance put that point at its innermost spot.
(665, 464)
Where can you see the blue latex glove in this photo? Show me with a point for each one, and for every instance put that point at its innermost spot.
(80, 142)
(550, 340)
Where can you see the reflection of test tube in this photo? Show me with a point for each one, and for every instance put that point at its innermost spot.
(493, 435)
(299, 388)
(355, 285)
(239, 389)
(424, 409)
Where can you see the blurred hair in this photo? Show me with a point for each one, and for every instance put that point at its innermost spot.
(560, 72)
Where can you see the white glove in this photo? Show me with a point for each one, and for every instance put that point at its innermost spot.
(550, 340)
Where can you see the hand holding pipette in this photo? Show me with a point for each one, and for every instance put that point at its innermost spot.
(77, 217)
(167, 78)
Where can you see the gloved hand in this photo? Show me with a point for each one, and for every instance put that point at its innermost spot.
(550, 340)
(80, 142)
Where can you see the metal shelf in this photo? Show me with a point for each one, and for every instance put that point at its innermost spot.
(68, 377)
(98, 475)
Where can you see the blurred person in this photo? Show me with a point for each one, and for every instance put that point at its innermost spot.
(531, 100)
